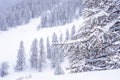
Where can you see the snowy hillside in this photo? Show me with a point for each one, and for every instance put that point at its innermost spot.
(10, 39)
(55, 41)
(101, 75)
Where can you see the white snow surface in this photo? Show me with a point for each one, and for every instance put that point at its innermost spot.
(96, 75)
(9, 45)
(9, 41)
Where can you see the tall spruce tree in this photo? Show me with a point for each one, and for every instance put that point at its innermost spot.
(42, 56)
(61, 38)
(48, 49)
(73, 30)
(58, 69)
(61, 52)
(67, 35)
(97, 42)
(55, 50)
(34, 55)
(21, 60)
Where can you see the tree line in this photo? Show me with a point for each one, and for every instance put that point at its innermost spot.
(39, 56)
(97, 42)
(23, 11)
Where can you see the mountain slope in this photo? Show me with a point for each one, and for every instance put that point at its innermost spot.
(10, 40)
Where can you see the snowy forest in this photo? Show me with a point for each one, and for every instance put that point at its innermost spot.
(71, 36)
(61, 11)
(39, 54)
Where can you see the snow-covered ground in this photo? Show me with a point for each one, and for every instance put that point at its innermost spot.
(9, 41)
(48, 75)
(9, 44)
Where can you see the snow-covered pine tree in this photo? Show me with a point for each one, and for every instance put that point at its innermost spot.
(42, 56)
(58, 69)
(4, 69)
(34, 55)
(61, 55)
(48, 49)
(21, 60)
(61, 52)
(54, 50)
(61, 37)
(73, 30)
(67, 35)
(96, 45)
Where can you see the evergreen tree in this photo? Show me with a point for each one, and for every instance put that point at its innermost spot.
(58, 70)
(34, 55)
(63, 13)
(4, 69)
(61, 52)
(73, 30)
(42, 56)
(21, 13)
(54, 38)
(61, 37)
(48, 49)
(61, 55)
(97, 43)
(21, 61)
(67, 35)
(55, 50)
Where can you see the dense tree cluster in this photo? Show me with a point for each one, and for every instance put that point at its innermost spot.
(39, 56)
(96, 46)
(61, 14)
(22, 12)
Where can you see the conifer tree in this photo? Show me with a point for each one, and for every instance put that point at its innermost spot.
(21, 60)
(55, 50)
(67, 35)
(61, 52)
(34, 55)
(58, 69)
(73, 30)
(48, 49)
(96, 45)
(42, 56)
(61, 37)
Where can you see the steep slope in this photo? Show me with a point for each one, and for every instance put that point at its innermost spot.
(9, 40)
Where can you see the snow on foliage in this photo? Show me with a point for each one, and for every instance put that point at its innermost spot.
(23, 11)
(21, 58)
(97, 46)
(34, 55)
(62, 14)
(42, 56)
